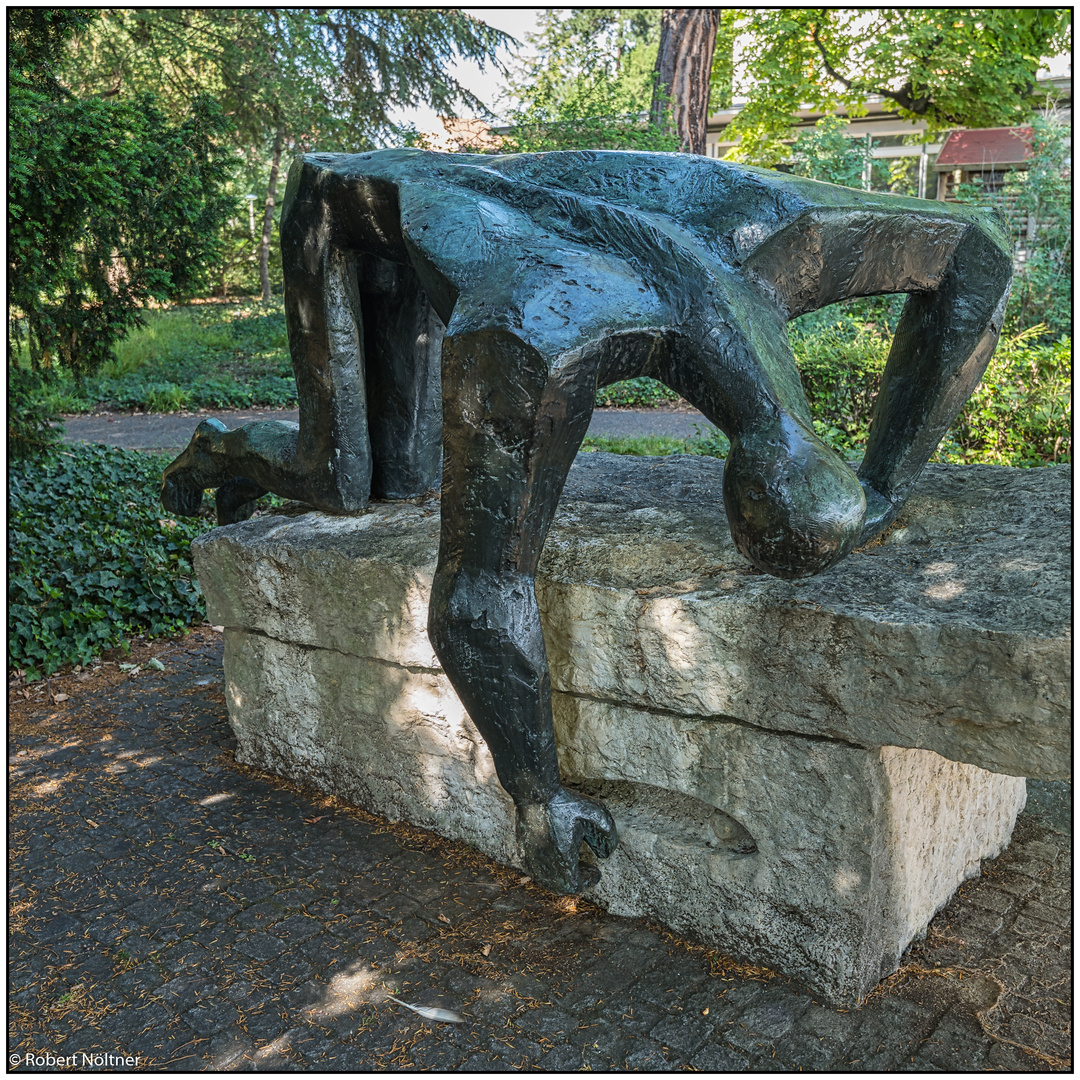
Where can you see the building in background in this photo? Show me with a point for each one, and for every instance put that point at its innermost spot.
(960, 157)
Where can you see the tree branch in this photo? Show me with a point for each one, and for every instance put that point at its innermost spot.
(903, 97)
(833, 73)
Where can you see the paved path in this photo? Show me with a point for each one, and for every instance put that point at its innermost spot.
(172, 907)
(171, 431)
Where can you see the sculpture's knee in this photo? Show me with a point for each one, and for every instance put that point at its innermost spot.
(479, 619)
(793, 506)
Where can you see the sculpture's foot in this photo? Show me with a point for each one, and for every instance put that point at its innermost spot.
(550, 836)
(196, 469)
(236, 500)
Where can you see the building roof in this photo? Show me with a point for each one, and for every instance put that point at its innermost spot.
(985, 147)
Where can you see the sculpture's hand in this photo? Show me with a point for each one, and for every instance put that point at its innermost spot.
(193, 471)
(880, 513)
(550, 835)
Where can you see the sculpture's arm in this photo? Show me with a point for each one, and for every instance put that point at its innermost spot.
(955, 264)
(941, 348)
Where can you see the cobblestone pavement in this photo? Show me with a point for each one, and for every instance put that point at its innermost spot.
(172, 431)
(171, 906)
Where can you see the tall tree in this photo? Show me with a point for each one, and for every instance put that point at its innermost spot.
(949, 67)
(289, 79)
(110, 203)
(575, 50)
(683, 69)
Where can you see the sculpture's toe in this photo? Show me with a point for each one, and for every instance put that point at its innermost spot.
(180, 496)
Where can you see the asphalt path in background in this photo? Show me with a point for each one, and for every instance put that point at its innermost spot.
(173, 431)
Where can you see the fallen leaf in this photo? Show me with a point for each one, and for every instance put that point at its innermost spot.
(92, 824)
(61, 697)
(442, 918)
(155, 663)
(486, 950)
(313, 820)
(704, 1012)
(524, 880)
(445, 1015)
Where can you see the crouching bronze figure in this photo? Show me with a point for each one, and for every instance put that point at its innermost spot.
(465, 308)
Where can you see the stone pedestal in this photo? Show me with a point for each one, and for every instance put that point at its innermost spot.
(801, 773)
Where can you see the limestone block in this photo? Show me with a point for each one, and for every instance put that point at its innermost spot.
(811, 856)
(814, 857)
(951, 635)
(801, 773)
(394, 739)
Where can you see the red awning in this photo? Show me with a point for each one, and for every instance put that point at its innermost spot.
(985, 148)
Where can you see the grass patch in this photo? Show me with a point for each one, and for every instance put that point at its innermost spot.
(712, 444)
(208, 356)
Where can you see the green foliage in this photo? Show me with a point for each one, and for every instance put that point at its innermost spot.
(212, 356)
(30, 414)
(589, 84)
(331, 76)
(1021, 413)
(841, 364)
(903, 176)
(92, 558)
(573, 49)
(1042, 285)
(109, 205)
(584, 121)
(641, 391)
(826, 152)
(971, 67)
(288, 79)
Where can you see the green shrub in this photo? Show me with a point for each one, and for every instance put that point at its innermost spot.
(92, 557)
(640, 391)
(841, 364)
(1021, 413)
(30, 413)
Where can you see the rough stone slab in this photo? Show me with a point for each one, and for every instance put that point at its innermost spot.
(393, 739)
(814, 857)
(951, 635)
(757, 741)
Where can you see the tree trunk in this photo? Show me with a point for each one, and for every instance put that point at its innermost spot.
(268, 215)
(683, 67)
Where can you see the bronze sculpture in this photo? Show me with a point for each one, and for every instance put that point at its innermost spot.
(516, 285)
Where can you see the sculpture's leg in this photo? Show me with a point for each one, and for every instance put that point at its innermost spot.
(941, 348)
(511, 429)
(954, 264)
(325, 460)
